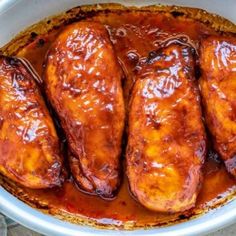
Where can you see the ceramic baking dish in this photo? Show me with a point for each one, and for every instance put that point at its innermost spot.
(15, 15)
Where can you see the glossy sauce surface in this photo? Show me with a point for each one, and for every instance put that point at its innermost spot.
(29, 147)
(166, 137)
(89, 103)
(134, 35)
(218, 88)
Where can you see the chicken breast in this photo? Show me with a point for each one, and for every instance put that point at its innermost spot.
(29, 146)
(166, 139)
(83, 83)
(218, 90)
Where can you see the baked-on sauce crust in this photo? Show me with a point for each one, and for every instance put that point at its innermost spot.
(134, 33)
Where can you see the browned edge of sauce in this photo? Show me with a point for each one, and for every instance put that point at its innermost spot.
(216, 22)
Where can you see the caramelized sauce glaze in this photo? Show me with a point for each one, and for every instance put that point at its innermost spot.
(89, 103)
(134, 34)
(166, 138)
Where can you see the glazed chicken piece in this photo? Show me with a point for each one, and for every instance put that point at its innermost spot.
(29, 146)
(83, 83)
(218, 90)
(166, 139)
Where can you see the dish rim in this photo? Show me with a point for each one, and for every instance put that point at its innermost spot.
(33, 219)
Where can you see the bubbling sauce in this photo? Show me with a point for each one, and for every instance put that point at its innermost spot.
(134, 35)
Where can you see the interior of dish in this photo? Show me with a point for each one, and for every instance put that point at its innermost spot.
(134, 32)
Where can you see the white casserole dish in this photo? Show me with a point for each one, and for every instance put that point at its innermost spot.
(15, 15)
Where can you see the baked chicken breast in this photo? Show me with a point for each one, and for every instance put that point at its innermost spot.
(83, 82)
(166, 136)
(218, 90)
(29, 146)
